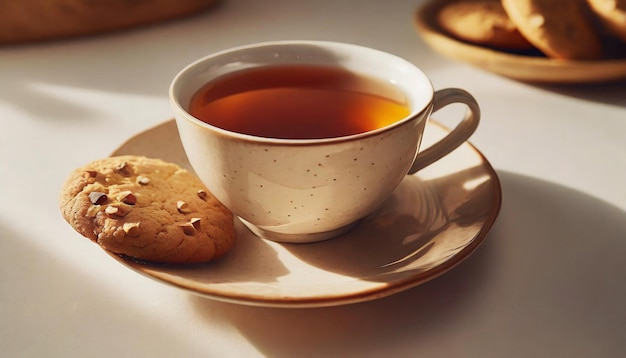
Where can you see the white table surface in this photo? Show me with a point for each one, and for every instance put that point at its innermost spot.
(549, 281)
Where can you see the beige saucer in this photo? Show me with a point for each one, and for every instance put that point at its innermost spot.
(520, 67)
(433, 221)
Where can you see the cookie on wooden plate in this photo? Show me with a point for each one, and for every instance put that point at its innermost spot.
(560, 29)
(612, 15)
(147, 209)
(482, 22)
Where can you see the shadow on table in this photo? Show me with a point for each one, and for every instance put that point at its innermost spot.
(548, 281)
(48, 305)
(613, 93)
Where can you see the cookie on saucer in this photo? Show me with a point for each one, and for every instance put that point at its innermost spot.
(483, 22)
(560, 29)
(147, 209)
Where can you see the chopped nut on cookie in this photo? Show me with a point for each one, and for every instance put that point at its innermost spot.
(98, 198)
(127, 197)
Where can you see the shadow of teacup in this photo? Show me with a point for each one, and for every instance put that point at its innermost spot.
(421, 226)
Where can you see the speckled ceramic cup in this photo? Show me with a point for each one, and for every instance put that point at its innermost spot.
(306, 190)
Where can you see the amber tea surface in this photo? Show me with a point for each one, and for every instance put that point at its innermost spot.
(299, 102)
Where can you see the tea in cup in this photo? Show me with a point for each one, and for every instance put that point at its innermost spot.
(302, 139)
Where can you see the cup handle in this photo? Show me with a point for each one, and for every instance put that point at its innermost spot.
(458, 135)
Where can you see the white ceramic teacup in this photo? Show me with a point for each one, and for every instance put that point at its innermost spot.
(305, 190)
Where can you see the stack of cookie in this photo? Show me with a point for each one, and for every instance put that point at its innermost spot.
(559, 29)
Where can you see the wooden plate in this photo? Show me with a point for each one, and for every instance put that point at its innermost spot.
(42, 20)
(520, 67)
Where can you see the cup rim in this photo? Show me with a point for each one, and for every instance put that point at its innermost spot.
(180, 110)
